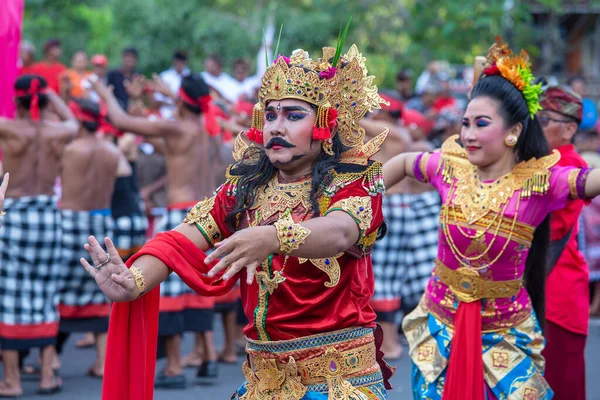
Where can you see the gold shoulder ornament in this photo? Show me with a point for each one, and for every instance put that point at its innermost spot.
(476, 198)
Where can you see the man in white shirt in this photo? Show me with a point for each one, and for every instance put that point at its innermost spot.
(172, 78)
(224, 84)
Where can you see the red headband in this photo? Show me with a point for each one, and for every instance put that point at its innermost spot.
(103, 125)
(201, 102)
(33, 91)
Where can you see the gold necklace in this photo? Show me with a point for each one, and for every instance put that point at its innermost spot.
(279, 197)
(459, 255)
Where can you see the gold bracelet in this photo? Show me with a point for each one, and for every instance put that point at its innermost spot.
(140, 282)
(290, 234)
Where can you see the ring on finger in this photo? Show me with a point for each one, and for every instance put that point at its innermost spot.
(98, 267)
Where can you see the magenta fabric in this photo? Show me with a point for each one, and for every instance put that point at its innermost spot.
(511, 265)
(11, 21)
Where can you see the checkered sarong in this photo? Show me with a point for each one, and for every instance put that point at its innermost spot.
(403, 259)
(173, 286)
(423, 233)
(29, 254)
(77, 287)
(130, 234)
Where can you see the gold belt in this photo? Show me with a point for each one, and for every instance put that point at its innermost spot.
(468, 286)
(270, 379)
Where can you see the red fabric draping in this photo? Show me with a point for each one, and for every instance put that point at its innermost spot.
(11, 20)
(464, 378)
(133, 330)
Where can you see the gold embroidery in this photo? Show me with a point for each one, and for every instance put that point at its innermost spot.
(279, 197)
(266, 284)
(200, 215)
(478, 199)
(468, 286)
(573, 183)
(522, 231)
(530, 394)
(423, 166)
(290, 234)
(269, 382)
(324, 203)
(330, 266)
(500, 359)
(372, 180)
(359, 208)
(425, 352)
(369, 240)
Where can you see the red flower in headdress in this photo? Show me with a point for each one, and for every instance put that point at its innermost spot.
(328, 73)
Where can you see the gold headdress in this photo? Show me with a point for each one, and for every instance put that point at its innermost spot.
(339, 85)
(517, 70)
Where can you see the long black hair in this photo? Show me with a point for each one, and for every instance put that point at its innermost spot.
(255, 170)
(531, 143)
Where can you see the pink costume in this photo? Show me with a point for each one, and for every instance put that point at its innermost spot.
(486, 230)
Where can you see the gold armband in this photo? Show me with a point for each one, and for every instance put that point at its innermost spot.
(290, 234)
(140, 282)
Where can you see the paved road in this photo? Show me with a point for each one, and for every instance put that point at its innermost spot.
(77, 387)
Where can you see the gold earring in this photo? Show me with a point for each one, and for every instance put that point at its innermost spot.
(511, 140)
(327, 146)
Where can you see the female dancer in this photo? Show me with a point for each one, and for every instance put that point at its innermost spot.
(476, 332)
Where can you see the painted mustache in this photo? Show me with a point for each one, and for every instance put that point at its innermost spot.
(277, 141)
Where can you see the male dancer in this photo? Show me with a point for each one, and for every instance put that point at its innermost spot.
(29, 250)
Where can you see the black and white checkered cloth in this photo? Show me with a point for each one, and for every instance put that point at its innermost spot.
(423, 233)
(404, 258)
(29, 255)
(130, 234)
(77, 287)
(173, 286)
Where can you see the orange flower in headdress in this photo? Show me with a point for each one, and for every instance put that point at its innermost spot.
(516, 69)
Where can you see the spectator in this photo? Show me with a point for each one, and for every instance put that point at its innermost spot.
(126, 71)
(172, 78)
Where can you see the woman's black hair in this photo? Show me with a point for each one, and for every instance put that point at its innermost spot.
(24, 83)
(195, 87)
(531, 143)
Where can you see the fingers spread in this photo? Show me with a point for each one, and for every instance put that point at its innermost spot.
(90, 269)
(112, 250)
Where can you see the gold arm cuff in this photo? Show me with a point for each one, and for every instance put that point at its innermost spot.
(200, 216)
(140, 281)
(290, 234)
(573, 184)
(359, 208)
(468, 286)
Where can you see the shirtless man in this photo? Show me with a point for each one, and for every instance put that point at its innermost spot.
(190, 178)
(29, 252)
(89, 171)
(411, 211)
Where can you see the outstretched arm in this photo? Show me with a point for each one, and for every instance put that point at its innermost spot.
(592, 185)
(398, 168)
(128, 123)
(116, 281)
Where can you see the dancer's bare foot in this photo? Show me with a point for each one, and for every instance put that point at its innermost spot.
(86, 341)
(192, 360)
(10, 391)
(50, 385)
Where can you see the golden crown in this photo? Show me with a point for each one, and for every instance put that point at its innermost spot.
(345, 87)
